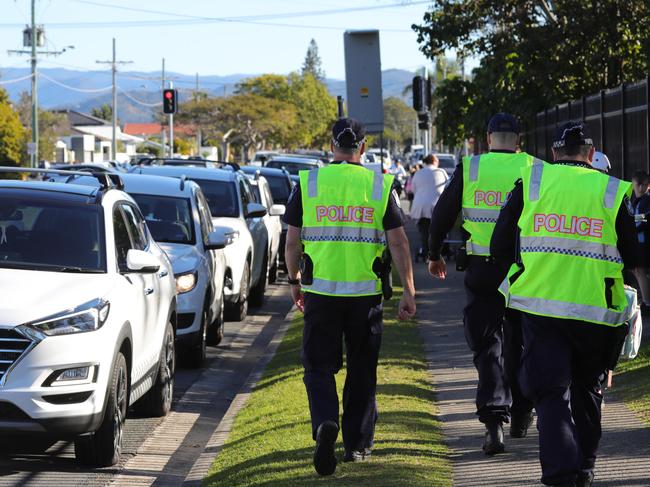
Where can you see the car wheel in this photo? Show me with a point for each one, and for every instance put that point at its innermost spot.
(216, 328)
(238, 311)
(158, 401)
(103, 447)
(196, 354)
(273, 271)
(257, 293)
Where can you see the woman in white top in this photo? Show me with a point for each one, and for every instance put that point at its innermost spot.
(428, 184)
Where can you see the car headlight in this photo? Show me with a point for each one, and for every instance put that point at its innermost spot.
(90, 316)
(185, 282)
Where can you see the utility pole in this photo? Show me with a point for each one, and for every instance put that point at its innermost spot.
(114, 64)
(198, 125)
(164, 130)
(34, 37)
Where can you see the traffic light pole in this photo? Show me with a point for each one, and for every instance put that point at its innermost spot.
(171, 128)
(34, 156)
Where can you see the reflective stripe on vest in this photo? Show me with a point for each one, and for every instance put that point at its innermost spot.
(569, 246)
(343, 234)
(535, 180)
(312, 183)
(611, 191)
(473, 249)
(344, 288)
(560, 309)
(480, 215)
(473, 167)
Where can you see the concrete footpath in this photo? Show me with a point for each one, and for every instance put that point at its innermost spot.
(624, 458)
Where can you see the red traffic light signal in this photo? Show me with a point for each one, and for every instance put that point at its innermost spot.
(169, 101)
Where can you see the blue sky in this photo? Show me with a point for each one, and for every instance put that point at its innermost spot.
(245, 41)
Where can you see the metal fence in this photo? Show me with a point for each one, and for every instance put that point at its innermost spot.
(619, 120)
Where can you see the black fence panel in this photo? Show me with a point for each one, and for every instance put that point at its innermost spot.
(619, 121)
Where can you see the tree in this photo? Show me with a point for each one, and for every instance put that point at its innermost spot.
(535, 53)
(12, 134)
(105, 112)
(312, 64)
(399, 119)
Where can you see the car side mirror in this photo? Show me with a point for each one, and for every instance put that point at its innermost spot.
(255, 210)
(277, 210)
(218, 239)
(141, 261)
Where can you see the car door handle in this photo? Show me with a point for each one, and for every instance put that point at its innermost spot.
(148, 291)
(163, 274)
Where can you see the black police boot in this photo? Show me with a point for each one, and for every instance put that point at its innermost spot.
(585, 479)
(357, 455)
(519, 425)
(494, 441)
(324, 457)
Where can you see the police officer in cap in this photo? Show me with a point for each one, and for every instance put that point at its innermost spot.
(478, 188)
(568, 230)
(341, 219)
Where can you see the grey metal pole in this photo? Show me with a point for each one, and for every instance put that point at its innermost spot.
(171, 127)
(114, 117)
(34, 39)
(164, 132)
(198, 126)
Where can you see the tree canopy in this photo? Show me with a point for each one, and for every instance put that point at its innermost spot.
(312, 64)
(12, 134)
(533, 53)
(104, 111)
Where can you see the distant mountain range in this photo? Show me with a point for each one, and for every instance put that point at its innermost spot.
(87, 87)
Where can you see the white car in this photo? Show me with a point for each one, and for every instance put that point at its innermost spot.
(87, 315)
(178, 217)
(271, 220)
(232, 204)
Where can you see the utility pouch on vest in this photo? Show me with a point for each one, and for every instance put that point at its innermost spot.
(461, 258)
(383, 268)
(306, 270)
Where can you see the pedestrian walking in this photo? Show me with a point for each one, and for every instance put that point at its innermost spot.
(478, 188)
(427, 186)
(641, 205)
(345, 216)
(567, 228)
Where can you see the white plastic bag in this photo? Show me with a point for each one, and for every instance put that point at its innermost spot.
(635, 327)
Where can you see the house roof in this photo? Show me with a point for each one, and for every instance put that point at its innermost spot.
(105, 132)
(155, 129)
(76, 118)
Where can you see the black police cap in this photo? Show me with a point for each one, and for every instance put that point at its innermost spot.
(503, 122)
(348, 133)
(572, 134)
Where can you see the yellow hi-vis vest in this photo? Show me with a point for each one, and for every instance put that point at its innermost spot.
(343, 231)
(570, 265)
(487, 181)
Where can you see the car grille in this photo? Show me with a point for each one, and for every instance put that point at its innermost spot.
(12, 346)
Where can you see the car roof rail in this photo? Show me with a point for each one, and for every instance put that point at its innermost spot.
(105, 179)
(182, 182)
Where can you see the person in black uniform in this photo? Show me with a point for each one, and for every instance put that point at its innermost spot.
(330, 319)
(492, 332)
(565, 360)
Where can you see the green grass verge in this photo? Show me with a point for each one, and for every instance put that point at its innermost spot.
(271, 443)
(632, 383)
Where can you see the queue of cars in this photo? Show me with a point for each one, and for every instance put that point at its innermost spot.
(107, 275)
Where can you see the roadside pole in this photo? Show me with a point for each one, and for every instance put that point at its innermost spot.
(164, 131)
(171, 127)
(34, 38)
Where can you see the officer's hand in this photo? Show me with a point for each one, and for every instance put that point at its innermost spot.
(406, 307)
(298, 297)
(438, 268)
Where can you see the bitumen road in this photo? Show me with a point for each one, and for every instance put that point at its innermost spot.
(177, 449)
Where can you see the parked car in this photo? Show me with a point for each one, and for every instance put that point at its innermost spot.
(232, 204)
(293, 165)
(281, 185)
(271, 220)
(173, 161)
(87, 315)
(179, 219)
(447, 162)
(261, 156)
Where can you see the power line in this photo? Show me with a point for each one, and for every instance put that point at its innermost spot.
(15, 80)
(74, 88)
(139, 102)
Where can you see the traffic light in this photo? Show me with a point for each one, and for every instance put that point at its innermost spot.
(428, 92)
(424, 121)
(169, 101)
(418, 92)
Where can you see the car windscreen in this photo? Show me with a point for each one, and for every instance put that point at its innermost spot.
(448, 162)
(291, 167)
(221, 196)
(280, 188)
(52, 235)
(183, 162)
(169, 219)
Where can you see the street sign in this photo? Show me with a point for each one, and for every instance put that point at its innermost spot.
(363, 78)
(31, 148)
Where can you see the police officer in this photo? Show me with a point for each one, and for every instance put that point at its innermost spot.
(344, 215)
(478, 189)
(568, 228)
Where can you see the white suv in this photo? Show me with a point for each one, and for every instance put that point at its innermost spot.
(87, 314)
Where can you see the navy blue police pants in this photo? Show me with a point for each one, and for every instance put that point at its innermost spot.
(328, 321)
(563, 365)
(494, 337)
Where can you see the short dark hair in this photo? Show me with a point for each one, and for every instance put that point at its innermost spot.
(430, 159)
(641, 177)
